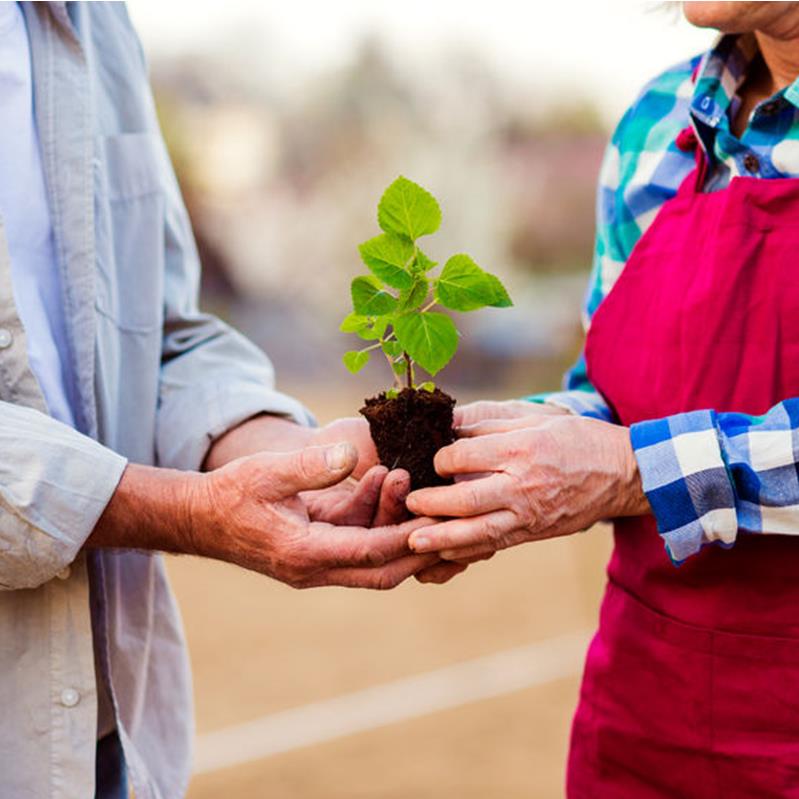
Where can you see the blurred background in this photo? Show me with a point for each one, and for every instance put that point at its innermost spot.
(285, 122)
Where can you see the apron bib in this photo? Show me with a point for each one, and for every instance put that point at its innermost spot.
(691, 684)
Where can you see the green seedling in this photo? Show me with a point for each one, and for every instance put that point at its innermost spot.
(393, 304)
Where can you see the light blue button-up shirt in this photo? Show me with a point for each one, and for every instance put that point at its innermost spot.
(26, 216)
(155, 382)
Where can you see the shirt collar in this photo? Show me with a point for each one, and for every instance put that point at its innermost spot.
(62, 14)
(719, 75)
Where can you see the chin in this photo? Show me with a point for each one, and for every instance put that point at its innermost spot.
(724, 16)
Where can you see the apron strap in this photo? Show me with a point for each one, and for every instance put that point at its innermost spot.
(687, 141)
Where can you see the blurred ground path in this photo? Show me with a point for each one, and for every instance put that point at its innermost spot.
(405, 699)
(259, 648)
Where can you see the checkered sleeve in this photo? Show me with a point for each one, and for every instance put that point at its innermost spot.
(708, 475)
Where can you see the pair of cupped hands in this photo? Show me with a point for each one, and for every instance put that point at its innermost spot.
(314, 507)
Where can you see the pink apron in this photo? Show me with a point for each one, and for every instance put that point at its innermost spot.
(691, 685)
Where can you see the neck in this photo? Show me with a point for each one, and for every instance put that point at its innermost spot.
(781, 58)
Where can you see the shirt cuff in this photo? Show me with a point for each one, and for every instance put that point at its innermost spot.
(186, 434)
(580, 403)
(686, 481)
(54, 485)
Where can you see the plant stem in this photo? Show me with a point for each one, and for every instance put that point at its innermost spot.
(412, 258)
(397, 383)
(428, 307)
(409, 371)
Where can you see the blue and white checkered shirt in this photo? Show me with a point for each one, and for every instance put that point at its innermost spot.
(707, 475)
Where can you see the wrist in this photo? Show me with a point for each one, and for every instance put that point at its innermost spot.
(192, 515)
(632, 499)
(151, 509)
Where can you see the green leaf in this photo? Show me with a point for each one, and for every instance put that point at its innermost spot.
(369, 298)
(375, 329)
(354, 323)
(429, 338)
(368, 328)
(388, 256)
(423, 263)
(412, 298)
(464, 286)
(428, 385)
(392, 348)
(501, 297)
(355, 361)
(400, 367)
(408, 210)
(392, 393)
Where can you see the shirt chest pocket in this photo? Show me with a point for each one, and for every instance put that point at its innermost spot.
(129, 225)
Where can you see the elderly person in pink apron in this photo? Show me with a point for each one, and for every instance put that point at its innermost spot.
(681, 423)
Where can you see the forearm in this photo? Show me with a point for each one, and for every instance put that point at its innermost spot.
(272, 433)
(261, 433)
(151, 509)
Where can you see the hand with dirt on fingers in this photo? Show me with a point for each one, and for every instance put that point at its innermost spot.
(465, 417)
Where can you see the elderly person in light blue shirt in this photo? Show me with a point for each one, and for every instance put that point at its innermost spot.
(131, 422)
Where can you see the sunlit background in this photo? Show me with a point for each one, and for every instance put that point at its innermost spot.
(285, 122)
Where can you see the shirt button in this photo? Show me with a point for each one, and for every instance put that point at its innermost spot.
(6, 338)
(751, 163)
(64, 573)
(69, 697)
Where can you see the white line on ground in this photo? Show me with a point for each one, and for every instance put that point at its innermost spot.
(449, 687)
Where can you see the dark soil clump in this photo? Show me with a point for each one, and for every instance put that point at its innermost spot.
(409, 429)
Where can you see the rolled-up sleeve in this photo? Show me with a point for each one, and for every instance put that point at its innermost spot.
(212, 377)
(710, 476)
(54, 485)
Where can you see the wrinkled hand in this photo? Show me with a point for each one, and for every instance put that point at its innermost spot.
(474, 412)
(252, 512)
(375, 500)
(468, 415)
(541, 477)
(378, 501)
(354, 430)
